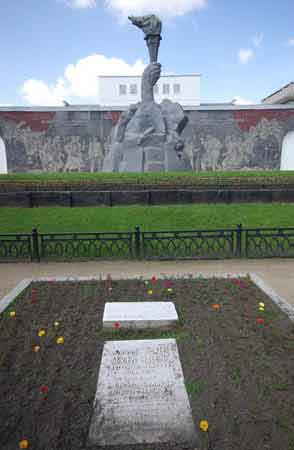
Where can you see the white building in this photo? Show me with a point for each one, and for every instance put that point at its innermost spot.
(283, 96)
(125, 90)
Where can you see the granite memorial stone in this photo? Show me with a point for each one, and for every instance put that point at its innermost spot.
(141, 396)
(139, 315)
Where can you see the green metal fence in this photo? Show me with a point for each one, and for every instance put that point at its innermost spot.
(235, 242)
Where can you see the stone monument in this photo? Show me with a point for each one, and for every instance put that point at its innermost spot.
(140, 315)
(147, 135)
(141, 397)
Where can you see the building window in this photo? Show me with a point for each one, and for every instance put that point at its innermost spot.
(133, 89)
(177, 88)
(155, 89)
(165, 89)
(122, 89)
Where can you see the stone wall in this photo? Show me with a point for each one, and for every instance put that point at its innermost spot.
(76, 139)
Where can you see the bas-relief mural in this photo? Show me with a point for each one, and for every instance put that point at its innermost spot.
(209, 144)
(258, 148)
(40, 151)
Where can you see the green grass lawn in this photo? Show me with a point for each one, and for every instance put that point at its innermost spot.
(172, 217)
(175, 178)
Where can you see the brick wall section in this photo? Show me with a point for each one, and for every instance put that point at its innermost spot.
(77, 139)
(35, 121)
(248, 119)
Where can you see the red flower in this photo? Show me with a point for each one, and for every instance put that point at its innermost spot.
(34, 295)
(239, 283)
(44, 389)
(153, 280)
(260, 321)
(116, 325)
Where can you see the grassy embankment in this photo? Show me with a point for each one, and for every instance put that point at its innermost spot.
(124, 218)
(171, 217)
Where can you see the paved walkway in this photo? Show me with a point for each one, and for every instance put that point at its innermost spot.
(278, 273)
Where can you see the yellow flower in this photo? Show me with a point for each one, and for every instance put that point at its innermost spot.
(60, 340)
(261, 305)
(150, 292)
(24, 444)
(203, 425)
(37, 348)
(169, 290)
(261, 308)
(12, 313)
(41, 333)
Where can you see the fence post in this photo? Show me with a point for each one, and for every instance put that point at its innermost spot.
(35, 241)
(239, 241)
(137, 242)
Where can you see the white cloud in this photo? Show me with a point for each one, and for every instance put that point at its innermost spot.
(241, 101)
(290, 42)
(36, 92)
(258, 39)
(164, 8)
(78, 82)
(81, 3)
(245, 55)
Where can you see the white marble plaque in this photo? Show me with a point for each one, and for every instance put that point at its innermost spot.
(140, 315)
(141, 396)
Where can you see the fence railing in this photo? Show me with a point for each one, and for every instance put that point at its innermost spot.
(236, 242)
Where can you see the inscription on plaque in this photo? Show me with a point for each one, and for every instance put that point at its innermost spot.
(140, 315)
(141, 396)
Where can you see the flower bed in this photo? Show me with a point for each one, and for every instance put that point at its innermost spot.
(236, 348)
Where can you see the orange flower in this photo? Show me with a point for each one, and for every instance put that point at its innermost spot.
(37, 348)
(24, 444)
(216, 306)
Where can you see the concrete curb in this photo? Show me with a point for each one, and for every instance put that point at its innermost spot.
(281, 302)
(11, 296)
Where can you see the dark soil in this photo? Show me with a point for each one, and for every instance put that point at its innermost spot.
(239, 374)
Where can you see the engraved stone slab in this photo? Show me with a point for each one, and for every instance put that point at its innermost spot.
(139, 315)
(141, 397)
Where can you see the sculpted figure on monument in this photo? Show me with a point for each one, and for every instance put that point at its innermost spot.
(149, 79)
(147, 135)
(151, 26)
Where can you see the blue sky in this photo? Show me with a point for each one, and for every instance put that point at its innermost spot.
(54, 49)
